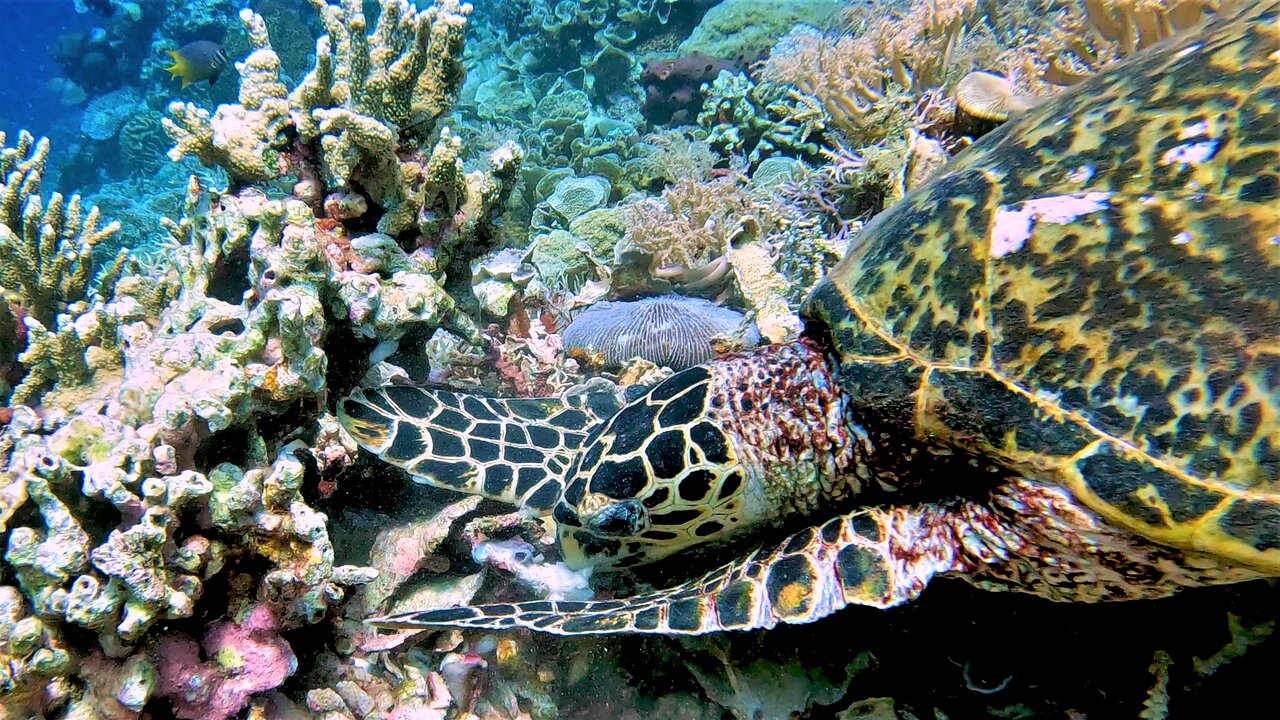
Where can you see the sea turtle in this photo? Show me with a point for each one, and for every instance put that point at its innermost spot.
(1055, 369)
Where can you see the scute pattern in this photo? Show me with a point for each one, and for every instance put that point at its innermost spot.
(513, 450)
(708, 454)
(654, 451)
(1097, 280)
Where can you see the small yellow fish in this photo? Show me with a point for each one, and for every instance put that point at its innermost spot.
(196, 61)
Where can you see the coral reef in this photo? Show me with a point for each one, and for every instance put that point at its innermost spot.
(223, 330)
(479, 196)
(744, 30)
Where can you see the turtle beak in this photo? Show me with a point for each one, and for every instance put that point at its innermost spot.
(574, 554)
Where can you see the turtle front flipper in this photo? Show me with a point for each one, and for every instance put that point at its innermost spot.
(515, 450)
(1023, 535)
(850, 560)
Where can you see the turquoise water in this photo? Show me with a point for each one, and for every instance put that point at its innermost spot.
(388, 308)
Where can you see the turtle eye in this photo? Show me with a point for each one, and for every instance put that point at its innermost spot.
(620, 518)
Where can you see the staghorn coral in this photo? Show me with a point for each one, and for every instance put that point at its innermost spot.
(246, 297)
(365, 115)
(245, 139)
(50, 289)
(667, 330)
(366, 91)
(52, 242)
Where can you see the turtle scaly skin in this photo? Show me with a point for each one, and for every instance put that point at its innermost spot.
(1053, 369)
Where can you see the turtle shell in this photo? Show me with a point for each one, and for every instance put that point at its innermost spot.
(1090, 296)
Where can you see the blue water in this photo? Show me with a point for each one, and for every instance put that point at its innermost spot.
(28, 30)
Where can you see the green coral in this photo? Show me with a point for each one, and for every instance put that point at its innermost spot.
(760, 120)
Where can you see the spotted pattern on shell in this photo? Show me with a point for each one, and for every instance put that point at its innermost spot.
(1123, 341)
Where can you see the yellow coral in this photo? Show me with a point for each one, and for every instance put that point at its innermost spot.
(866, 80)
(1097, 32)
(688, 229)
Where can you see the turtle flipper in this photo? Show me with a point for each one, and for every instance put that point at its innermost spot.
(515, 450)
(1023, 536)
(848, 561)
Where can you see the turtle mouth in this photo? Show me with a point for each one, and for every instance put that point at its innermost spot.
(616, 519)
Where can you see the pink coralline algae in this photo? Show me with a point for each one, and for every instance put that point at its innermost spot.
(242, 659)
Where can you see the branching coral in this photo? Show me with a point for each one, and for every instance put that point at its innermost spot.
(246, 138)
(49, 285)
(50, 245)
(365, 97)
(367, 94)
(760, 120)
(364, 114)
(1097, 32)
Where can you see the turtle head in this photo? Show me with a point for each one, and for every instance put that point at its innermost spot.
(660, 476)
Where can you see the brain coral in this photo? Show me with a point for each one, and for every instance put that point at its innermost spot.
(105, 113)
(667, 330)
(746, 29)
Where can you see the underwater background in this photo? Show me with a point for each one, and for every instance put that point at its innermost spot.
(218, 217)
